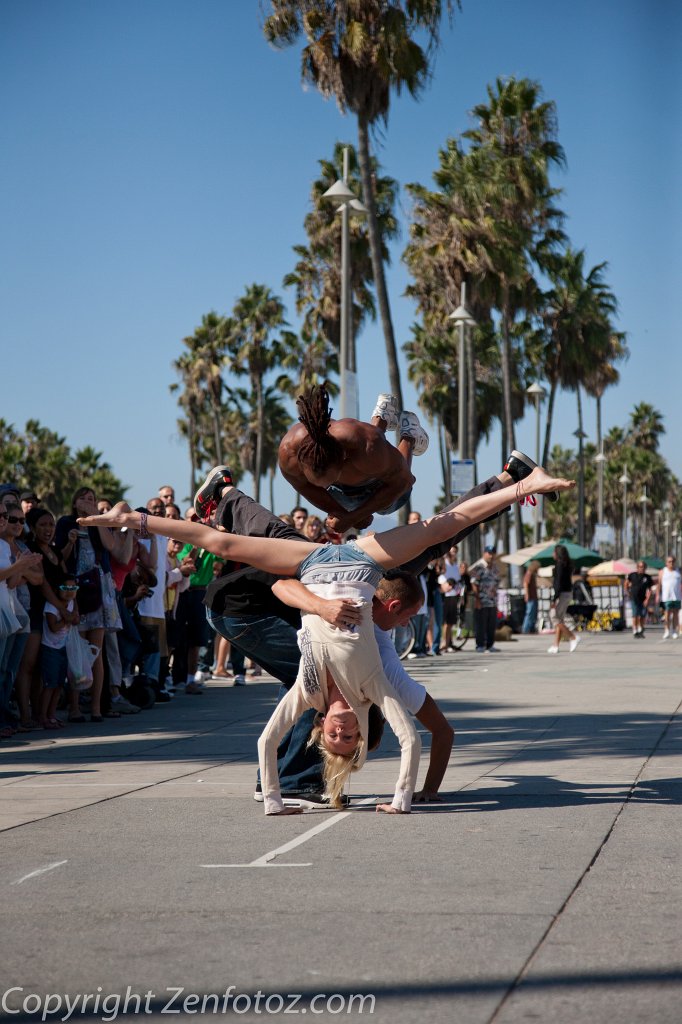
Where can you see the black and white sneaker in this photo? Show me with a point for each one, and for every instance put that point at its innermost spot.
(207, 498)
(305, 799)
(519, 466)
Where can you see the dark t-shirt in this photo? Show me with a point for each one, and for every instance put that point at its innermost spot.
(244, 591)
(639, 582)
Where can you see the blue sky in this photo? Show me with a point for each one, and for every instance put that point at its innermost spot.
(156, 159)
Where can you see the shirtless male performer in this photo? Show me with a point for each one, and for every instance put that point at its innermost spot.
(346, 467)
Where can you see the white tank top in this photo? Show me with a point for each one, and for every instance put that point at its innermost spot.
(671, 585)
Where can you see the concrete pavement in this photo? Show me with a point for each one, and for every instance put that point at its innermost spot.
(546, 887)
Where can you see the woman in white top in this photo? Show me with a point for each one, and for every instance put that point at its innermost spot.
(341, 673)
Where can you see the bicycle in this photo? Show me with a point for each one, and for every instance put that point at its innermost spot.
(404, 639)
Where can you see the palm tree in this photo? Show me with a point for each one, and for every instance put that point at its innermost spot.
(513, 148)
(191, 399)
(253, 352)
(316, 276)
(580, 342)
(358, 52)
(207, 347)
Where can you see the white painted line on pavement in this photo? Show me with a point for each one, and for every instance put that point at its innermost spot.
(40, 871)
(266, 860)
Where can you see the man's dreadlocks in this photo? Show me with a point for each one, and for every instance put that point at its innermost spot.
(319, 450)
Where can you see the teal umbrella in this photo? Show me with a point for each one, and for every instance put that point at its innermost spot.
(653, 562)
(580, 556)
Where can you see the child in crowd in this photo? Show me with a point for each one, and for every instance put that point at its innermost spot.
(54, 665)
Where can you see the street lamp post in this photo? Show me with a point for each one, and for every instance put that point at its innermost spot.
(340, 193)
(644, 501)
(600, 459)
(463, 318)
(537, 393)
(666, 527)
(625, 480)
(581, 435)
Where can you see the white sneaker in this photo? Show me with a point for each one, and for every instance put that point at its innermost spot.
(573, 643)
(553, 649)
(666, 634)
(200, 678)
(493, 650)
(674, 636)
(411, 427)
(387, 409)
(239, 681)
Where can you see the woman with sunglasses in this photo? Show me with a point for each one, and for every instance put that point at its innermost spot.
(18, 567)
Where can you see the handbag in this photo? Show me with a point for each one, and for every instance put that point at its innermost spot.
(89, 597)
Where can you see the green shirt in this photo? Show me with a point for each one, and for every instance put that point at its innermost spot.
(204, 566)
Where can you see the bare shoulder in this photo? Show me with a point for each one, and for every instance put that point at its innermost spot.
(289, 445)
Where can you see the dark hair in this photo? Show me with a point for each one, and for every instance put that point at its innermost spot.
(401, 586)
(79, 494)
(34, 515)
(319, 449)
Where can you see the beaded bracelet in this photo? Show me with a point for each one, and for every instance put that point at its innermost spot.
(143, 531)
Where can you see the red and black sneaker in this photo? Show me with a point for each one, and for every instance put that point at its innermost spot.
(207, 498)
(519, 466)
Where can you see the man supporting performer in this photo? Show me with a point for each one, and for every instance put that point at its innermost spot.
(346, 467)
(252, 609)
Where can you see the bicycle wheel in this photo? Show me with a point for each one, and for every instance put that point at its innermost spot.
(458, 642)
(404, 638)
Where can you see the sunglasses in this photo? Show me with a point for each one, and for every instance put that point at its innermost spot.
(64, 586)
(16, 519)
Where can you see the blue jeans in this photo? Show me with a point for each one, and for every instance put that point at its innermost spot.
(420, 623)
(530, 618)
(437, 621)
(271, 642)
(12, 651)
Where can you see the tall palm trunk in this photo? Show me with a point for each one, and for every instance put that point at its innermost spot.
(506, 362)
(377, 262)
(193, 443)
(444, 462)
(581, 473)
(548, 425)
(258, 461)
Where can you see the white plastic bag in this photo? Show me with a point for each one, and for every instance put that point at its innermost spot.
(9, 623)
(80, 656)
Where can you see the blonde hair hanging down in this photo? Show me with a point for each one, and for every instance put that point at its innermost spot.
(336, 768)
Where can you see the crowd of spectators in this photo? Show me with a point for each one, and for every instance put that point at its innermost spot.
(135, 607)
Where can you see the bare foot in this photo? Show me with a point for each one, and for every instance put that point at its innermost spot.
(540, 482)
(389, 809)
(119, 515)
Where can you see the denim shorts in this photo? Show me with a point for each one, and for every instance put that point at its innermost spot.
(353, 497)
(53, 666)
(342, 563)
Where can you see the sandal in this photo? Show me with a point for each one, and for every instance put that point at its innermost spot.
(50, 723)
(112, 714)
(77, 718)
